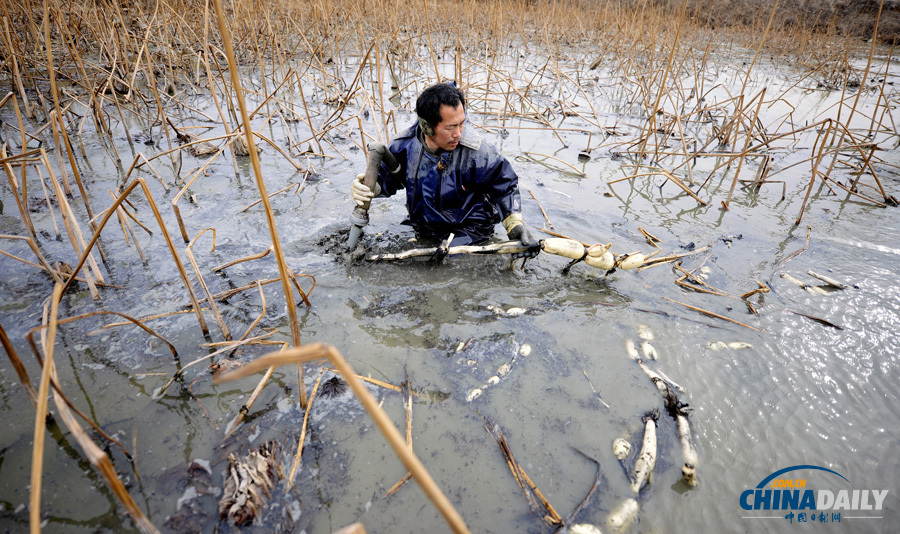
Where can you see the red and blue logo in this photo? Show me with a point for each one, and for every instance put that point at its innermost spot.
(791, 494)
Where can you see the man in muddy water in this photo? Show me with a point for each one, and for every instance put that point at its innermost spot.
(455, 182)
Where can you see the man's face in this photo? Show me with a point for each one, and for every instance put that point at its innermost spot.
(449, 131)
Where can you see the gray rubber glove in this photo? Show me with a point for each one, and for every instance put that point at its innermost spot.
(517, 231)
(360, 193)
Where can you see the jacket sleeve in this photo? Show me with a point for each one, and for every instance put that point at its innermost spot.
(500, 183)
(391, 182)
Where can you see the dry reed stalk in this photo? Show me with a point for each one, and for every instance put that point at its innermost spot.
(188, 251)
(303, 294)
(121, 219)
(24, 155)
(197, 174)
(262, 314)
(316, 351)
(373, 381)
(407, 403)
(866, 163)
(538, 116)
(247, 207)
(77, 57)
(232, 426)
(252, 257)
(162, 227)
(94, 454)
(312, 129)
(225, 295)
(652, 239)
(48, 203)
(212, 90)
(712, 314)
(145, 319)
(761, 42)
(270, 217)
(280, 150)
(749, 138)
(130, 215)
(296, 464)
(668, 259)
(55, 381)
(323, 131)
(231, 345)
(669, 176)
(26, 218)
(536, 500)
(55, 120)
(56, 274)
(437, 71)
(11, 53)
(569, 165)
(651, 126)
(550, 224)
(865, 75)
(815, 160)
(187, 144)
(594, 390)
(700, 285)
(74, 234)
(40, 418)
(130, 320)
(761, 289)
(21, 372)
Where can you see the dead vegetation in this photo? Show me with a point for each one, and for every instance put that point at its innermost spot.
(79, 69)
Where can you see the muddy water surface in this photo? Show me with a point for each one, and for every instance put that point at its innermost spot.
(803, 392)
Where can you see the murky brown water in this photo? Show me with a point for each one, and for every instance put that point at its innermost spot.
(803, 394)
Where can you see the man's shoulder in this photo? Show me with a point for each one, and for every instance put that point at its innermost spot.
(472, 140)
(407, 133)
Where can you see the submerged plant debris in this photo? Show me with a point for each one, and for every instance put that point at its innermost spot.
(146, 240)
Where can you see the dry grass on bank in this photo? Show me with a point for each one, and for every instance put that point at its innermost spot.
(75, 69)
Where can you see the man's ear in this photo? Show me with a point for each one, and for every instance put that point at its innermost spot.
(426, 128)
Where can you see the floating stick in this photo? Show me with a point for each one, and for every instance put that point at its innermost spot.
(716, 315)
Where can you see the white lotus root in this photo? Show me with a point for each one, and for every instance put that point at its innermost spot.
(630, 261)
(623, 516)
(568, 248)
(621, 448)
(584, 528)
(606, 261)
(598, 251)
(642, 472)
(631, 350)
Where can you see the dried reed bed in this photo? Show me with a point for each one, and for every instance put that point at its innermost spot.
(321, 70)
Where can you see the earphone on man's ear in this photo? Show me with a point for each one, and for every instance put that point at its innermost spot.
(426, 128)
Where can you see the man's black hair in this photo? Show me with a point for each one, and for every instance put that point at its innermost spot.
(428, 105)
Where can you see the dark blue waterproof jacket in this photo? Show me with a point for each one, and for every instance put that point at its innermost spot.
(472, 189)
